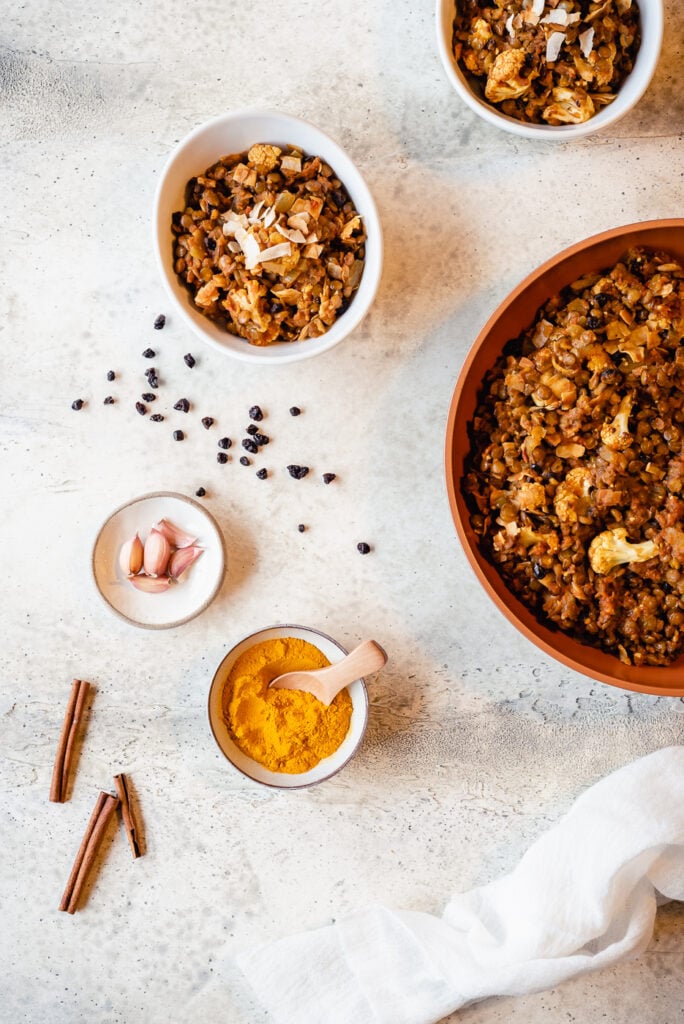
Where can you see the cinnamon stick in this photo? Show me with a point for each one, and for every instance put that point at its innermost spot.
(65, 747)
(105, 805)
(121, 783)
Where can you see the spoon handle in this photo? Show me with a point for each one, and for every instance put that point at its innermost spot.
(326, 683)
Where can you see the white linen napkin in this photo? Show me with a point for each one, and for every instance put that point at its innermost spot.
(583, 896)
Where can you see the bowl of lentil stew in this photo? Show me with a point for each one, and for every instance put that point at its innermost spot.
(594, 80)
(622, 445)
(222, 144)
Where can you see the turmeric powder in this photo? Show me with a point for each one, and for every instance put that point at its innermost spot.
(284, 730)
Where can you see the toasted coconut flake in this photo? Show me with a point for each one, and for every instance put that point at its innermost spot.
(573, 18)
(294, 236)
(586, 41)
(299, 222)
(537, 7)
(233, 246)
(553, 46)
(235, 222)
(557, 17)
(250, 247)
(291, 163)
(256, 212)
(269, 217)
(274, 252)
(509, 26)
(312, 252)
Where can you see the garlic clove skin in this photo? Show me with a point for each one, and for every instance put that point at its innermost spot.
(131, 556)
(182, 559)
(175, 536)
(150, 584)
(157, 552)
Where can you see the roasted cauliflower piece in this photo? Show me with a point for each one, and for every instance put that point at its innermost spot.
(505, 80)
(568, 106)
(572, 495)
(615, 434)
(263, 157)
(612, 548)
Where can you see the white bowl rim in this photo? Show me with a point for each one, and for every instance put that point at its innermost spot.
(205, 604)
(350, 319)
(631, 91)
(364, 706)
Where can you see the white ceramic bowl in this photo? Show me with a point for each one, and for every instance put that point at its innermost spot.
(234, 133)
(252, 769)
(631, 90)
(195, 590)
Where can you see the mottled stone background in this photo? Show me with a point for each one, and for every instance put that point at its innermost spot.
(477, 742)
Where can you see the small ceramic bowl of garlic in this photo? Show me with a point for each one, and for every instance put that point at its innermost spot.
(159, 560)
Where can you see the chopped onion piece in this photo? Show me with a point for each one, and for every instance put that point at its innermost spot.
(274, 252)
(291, 163)
(586, 41)
(553, 46)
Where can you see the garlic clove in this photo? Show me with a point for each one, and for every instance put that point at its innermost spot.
(131, 556)
(156, 553)
(175, 536)
(182, 559)
(150, 584)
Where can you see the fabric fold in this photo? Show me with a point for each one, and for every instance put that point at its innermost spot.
(583, 896)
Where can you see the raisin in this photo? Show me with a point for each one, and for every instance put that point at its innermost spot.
(149, 397)
(301, 527)
(141, 408)
(256, 414)
(157, 418)
(221, 457)
(178, 435)
(275, 307)
(262, 474)
(159, 322)
(149, 353)
(225, 442)
(294, 411)
(249, 445)
(109, 400)
(298, 472)
(200, 492)
(363, 548)
(207, 421)
(538, 570)
(593, 322)
(210, 243)
(602, 299)
(182, 405)
(189, 359)
(328, 478)
(252, 429)
(111, 375)
(77, 404)
(261, 439)
(244, 461)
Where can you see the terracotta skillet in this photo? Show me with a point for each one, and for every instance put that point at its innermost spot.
(513, 315)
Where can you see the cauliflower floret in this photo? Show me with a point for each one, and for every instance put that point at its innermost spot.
(529, 496)
(572, 494)
(505, 81)
(263, 157)
(570, 106)
(615, 434)
(612, 548)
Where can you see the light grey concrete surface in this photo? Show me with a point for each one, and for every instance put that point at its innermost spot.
(477, 742)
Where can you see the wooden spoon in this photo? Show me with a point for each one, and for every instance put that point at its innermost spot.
(326, 683)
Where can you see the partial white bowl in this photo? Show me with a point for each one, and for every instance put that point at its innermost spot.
(197, 587)
(252, 769)
(235, 133)
(631, 90)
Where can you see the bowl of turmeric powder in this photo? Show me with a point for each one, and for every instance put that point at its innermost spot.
(287, 739)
